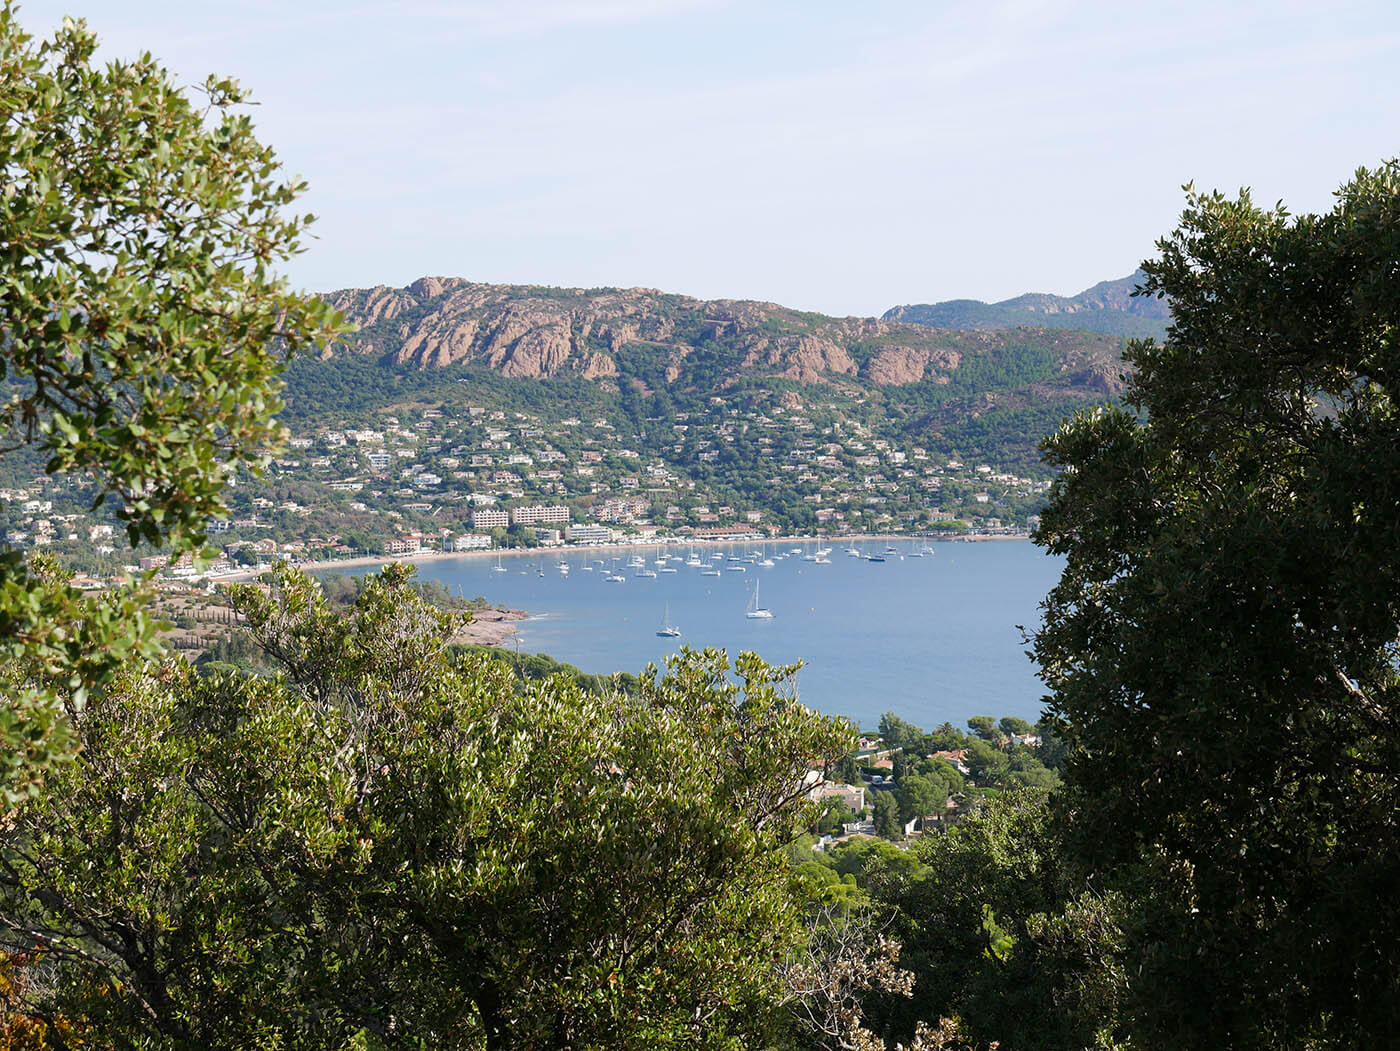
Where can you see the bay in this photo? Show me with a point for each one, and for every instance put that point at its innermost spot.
(931, 637)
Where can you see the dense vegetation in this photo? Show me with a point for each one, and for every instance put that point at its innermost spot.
(366, 838)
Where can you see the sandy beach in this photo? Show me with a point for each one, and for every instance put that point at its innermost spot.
(420, 557)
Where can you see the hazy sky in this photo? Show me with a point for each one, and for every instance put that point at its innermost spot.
(841, 157)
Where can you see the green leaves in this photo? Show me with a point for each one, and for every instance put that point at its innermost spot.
(393, 838)
(1225, 629)
(136, 304)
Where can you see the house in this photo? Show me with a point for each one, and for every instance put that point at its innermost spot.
(853, 796)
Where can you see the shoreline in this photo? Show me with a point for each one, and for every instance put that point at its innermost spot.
(363, 561)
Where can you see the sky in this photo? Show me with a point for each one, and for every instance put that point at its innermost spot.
(838, 157)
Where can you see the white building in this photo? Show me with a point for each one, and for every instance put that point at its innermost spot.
(470, 542)
(588, 534)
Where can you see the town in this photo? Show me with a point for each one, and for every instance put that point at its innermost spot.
(475, 478)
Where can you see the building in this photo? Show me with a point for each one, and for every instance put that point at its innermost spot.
(588, 534)
(490, 518)
(853, 796)
(403, 545)
(534, 514)
(470, 542)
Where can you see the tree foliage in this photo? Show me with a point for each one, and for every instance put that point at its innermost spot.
(1222, 646)
(142, 328)
(999, 932)
(395, 843)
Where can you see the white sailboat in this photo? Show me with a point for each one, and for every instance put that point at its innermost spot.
(757, 612)
(667, 629)
(498, 568)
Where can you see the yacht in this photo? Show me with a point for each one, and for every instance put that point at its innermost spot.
(645, 573)
(709, 572)
(667, 629)
(875, 558)
(755, 611)
(498, 568)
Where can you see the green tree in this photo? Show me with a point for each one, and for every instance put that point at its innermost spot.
(920, 797)
(142, 328)
(987, 764)
(847, 770)
(886, 809)
(388, 840)
(985, 727)
(899, 733)
(1222, 645)
(999, 932)
(1011, 725)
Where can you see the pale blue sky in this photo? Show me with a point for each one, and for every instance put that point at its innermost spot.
(835, 157)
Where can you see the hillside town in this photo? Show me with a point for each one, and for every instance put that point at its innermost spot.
(477, 478)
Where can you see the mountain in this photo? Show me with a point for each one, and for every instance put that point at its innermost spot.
(1108, 307)
(642, 354)
(654, 339)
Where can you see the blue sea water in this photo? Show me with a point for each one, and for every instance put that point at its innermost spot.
(932, 638)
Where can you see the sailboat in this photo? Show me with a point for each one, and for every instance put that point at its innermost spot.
(667, 629)
(757, 612)
(498, 568)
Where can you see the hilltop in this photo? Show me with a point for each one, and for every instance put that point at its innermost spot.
(610, 334)
(1108, 307)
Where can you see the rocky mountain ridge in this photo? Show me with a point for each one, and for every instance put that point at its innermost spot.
(531, 332)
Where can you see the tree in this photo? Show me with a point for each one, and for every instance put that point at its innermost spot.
(985, 727)
(919, 797)
(1222, 645)
(1011, 725)
(391, 841)
(899, 733)
(999, 931)
(886, 808)
(142, 328)
(985, 762)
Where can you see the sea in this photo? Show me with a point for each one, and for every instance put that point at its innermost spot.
(933, 633)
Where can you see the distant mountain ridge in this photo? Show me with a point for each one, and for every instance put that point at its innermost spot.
(534, 332)
(648, 360)
(1108, 307)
